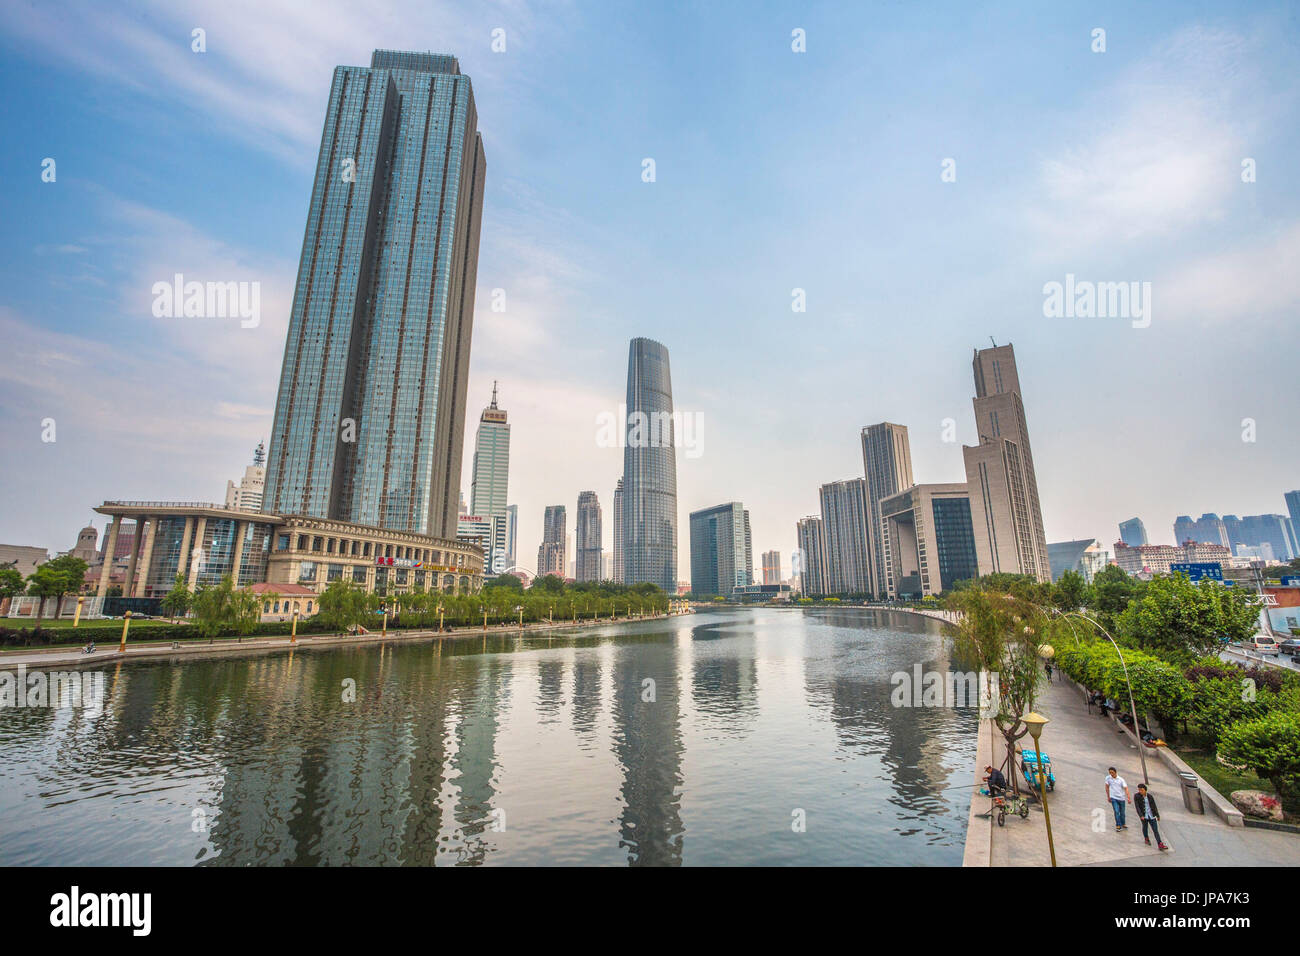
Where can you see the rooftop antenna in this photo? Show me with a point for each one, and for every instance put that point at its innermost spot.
(259, 454)
(494, 393)
(995, 344)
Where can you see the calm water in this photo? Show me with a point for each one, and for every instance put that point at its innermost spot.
(510, 750)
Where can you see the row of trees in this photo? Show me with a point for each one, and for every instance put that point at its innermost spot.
(56, 578)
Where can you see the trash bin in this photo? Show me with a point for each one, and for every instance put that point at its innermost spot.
(1191, 792)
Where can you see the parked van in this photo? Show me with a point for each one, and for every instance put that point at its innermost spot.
(1263, 644)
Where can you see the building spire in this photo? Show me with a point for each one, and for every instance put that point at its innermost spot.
(494, 394)
(259, 454)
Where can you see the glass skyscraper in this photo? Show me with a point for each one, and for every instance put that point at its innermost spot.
(370, 413)
(1133, 532)
(491, 479)
(649, 508)
(587, 538)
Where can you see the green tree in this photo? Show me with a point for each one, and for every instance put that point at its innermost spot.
(11, 583)
(56, 578)
(1000, 633)
(1070, 591)
(1182, 621)
(1270, 746)
(345, 604)
(224, 609)
(178, 601)
(548, 584)
(1112, 590)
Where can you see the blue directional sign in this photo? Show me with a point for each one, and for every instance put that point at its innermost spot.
(1290, 581)
(1196, 570)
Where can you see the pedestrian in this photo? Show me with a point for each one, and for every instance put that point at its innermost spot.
(1149, 814)
(1048, 667)
(1117, 793)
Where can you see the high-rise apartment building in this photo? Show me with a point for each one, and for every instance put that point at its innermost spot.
(649, 470)
(844, 521)
(550, 556)
(587, 540)
(1292, 499)
(887, 464)
(618, 532)
(1132, 532)
(247, 495)
(370, 411)
(811, 563)
(488, 489)
(1005, 509)
(721, 550)
(771, 567)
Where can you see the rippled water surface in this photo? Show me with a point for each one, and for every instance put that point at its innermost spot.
(509, 750)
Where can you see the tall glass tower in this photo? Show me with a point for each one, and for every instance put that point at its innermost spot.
(370, 413)
(649, 470)
(491, 479)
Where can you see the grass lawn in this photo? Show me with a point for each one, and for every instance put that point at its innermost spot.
(1220, 777)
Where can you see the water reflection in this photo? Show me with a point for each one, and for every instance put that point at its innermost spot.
(662, 743)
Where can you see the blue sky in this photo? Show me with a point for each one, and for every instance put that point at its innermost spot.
(775, 170)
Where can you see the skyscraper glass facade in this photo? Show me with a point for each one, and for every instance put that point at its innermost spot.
(370, 409)
(649, 470)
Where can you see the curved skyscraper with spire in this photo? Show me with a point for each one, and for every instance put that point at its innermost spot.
(649, 508)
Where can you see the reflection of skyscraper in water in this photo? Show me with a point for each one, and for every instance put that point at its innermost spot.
(724, 687)
(476, 760)
(647, 742)
(586, 691)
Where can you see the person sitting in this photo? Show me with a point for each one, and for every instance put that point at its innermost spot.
(997, 783)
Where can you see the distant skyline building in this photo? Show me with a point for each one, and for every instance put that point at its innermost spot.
(618, 533)
(587, 538)
(370, 410)
(490, 484)
(887, 465)
(928, 541)
(649, 469)
(1292, 499)
(722, 557)
(512, 535)
(811, 535)
(1132, 532)
(247, 495)
(1004, 503)
(550, 556)
(771, 567)
(1084, 556)
(1207, 529)
(844, 521)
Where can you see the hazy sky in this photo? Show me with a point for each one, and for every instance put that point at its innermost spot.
(775, 170)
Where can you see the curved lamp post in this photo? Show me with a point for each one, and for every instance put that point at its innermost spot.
(1132, 706)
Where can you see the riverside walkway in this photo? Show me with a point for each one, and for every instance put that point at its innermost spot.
(1082, 745)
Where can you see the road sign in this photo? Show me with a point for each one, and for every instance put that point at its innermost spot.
(1196, 570)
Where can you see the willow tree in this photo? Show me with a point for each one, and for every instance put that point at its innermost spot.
(1000, 634)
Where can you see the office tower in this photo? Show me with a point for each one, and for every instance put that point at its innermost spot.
(1292, 499)
(929, 542)
(649, 470)
(771, 567)
(1133, 532)
(1005, 510)
(844, 522)
(487, 493)
(247, 495)
(721, 555)
(887, 464)
(618, 532)
(587, 540)
(1207, 529)
(1084, 556)
(512, 535)
(370, 412)
(1259, 530)
(811, 567)
(550, 556)
(476, 528)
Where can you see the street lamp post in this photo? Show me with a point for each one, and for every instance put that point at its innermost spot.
(1036, 722)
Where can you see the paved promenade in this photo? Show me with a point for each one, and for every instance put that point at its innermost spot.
(1082, 745)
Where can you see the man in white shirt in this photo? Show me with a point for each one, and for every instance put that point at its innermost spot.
(1117, 794)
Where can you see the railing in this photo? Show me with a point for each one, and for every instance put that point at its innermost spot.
(164, 505)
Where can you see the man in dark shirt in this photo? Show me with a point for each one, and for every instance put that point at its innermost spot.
(1149, 814)
(997, 783)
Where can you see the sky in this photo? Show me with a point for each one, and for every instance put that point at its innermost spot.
(920, 172)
